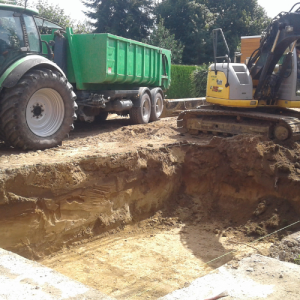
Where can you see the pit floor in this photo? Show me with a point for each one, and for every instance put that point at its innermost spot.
(152, 258)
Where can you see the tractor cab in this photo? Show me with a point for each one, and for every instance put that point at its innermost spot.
(19, 35)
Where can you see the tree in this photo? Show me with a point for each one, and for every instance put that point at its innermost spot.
(238, 18)
(188, 20)
(161, 37)
(128, 18)
(57, 15)
(192, 22)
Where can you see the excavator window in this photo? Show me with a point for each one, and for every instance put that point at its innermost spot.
(280, 63)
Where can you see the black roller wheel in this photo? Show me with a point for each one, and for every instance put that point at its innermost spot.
(157, 107)
(141, 115)
(38, 112)
(282, 132)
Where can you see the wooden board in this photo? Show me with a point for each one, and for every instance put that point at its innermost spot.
(248, 45)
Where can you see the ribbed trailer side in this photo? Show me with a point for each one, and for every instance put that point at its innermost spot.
(106, 61)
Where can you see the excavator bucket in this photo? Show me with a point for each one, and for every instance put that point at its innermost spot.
(173, 107)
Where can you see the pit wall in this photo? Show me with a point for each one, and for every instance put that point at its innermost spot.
(46, 207)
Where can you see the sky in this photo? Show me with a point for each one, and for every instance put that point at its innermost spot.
(273, 7)
(74, 7)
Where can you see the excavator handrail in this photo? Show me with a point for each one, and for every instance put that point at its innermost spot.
(215, 46)
(294, 6)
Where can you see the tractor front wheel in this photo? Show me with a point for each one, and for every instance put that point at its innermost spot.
(38, 113)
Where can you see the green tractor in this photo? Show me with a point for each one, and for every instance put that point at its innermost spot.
(37, 103)
(42, 75)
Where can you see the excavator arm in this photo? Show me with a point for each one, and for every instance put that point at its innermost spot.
(283, 31)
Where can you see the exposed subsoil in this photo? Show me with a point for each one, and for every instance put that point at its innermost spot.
(138, 211)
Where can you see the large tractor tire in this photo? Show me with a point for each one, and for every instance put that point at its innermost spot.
(38, 112)
(141, 115)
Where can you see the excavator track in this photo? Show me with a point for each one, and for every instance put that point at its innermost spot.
(280, 125)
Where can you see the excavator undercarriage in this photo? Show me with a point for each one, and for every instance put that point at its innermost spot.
(278, 124)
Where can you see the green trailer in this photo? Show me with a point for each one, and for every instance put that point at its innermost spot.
(45, 78)
(111, 74)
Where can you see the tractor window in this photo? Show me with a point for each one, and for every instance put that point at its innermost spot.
(33, 36)
(11, 35)
(11, 39)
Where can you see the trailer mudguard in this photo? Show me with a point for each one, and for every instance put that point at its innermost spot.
(13, 74)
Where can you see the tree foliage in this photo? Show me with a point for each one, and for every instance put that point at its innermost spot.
(199, 81)
(192, 22)
(128, 18)
(238, 18)
(189, 21)
(54, 13)
(57, 15)
(186, 29)
(161, 37)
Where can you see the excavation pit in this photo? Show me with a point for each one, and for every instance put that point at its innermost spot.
(143, 211)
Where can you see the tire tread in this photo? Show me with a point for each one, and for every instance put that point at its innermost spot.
(9, 105)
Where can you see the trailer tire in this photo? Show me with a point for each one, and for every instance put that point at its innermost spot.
(157, 106)
(38, 112)
(141, 115)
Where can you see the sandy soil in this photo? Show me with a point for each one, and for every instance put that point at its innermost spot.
(152, 258)
(115, 135)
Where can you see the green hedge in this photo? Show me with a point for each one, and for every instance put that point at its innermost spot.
(180, 82)
(187, 81)
(199, 80)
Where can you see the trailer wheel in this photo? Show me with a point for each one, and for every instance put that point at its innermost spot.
(38, 112)
(157, 106)
(141, 115)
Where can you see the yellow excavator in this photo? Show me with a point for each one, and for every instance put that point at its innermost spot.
(262, 97)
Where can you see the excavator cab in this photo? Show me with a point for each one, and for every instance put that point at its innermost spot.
(228, 84)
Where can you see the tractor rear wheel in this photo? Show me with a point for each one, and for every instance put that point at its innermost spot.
(38, 112)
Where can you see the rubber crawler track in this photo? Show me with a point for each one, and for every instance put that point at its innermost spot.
(290, 118)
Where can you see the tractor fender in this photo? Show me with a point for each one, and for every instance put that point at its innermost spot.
(13, 74)
(141, 92)
(154, 92)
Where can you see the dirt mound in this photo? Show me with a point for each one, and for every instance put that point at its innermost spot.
(288, 249)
